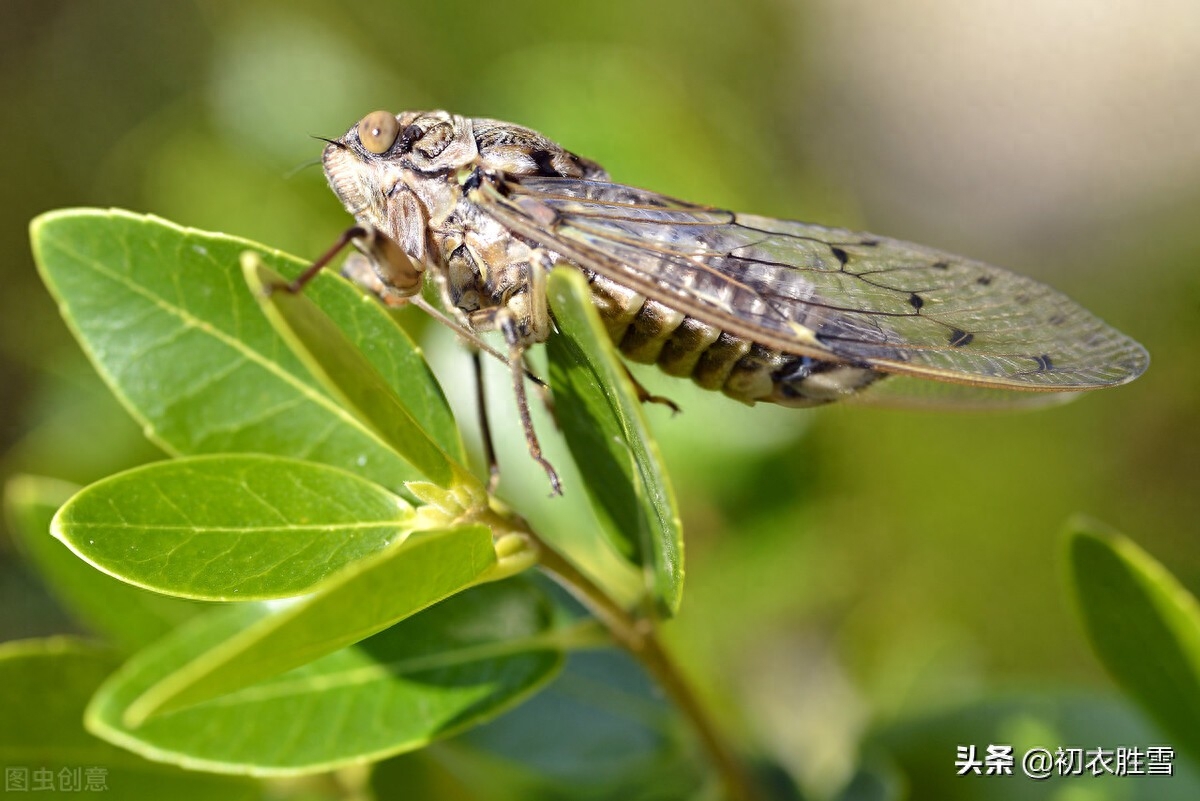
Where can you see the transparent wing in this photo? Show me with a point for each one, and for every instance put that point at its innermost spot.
(828, 293)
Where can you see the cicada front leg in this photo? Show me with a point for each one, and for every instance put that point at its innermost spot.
(395, 277)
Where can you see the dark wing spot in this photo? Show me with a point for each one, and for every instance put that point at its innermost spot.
(869, 243)
(1057, 319)
(916, 301)
(545, 163)
(1043, 363)
(841, 255)
(940, 265)
(960, 338)
(984, 280)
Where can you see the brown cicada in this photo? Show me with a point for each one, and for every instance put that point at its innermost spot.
(761, 309)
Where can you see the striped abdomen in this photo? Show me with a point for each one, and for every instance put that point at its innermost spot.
(649, 332)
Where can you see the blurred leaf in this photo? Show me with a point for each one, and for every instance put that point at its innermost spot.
(874, 782)
(366, 598)
(1144, 626)
(348, 376)
(236, 527)
(455, 665)
(164, 315)
(44, 687)
(600, 731)
(131, 616)
(923, 751)
(68, 394)
(603, 423)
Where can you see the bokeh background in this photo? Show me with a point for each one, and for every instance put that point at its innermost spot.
(846, 567)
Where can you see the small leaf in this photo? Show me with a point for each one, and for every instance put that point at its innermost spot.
(44, 687)
(1144, 626)
(606, 430)
(453, 666)
(347, 375)
(131, 616)
(164, 315)
(236, 527)
(366, 598)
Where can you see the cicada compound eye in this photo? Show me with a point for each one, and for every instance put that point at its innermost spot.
(378, 131)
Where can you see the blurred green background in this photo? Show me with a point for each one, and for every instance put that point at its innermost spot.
(846, 566)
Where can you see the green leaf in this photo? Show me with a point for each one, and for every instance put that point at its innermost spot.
(455, 665)
(235, 527)
(602, 421)
(164, 315)
(347, 375)
(44, 687)
(366, 598)
(130, 616)
(1144, 626)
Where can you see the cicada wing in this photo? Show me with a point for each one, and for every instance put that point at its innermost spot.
(911, 392)
(828, 293)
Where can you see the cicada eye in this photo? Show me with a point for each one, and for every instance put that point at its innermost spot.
(378, 131)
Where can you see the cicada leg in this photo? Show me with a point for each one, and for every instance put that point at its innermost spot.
(485, 426)
(400, 274)
(516, 362)
(543, 391)
(645, 396)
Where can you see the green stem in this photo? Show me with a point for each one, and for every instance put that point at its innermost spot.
(640, 638)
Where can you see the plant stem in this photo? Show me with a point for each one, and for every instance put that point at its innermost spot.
(640, 638)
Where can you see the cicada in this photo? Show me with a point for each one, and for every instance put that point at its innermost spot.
(763, 310)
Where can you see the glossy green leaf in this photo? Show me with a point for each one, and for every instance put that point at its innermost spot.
(453, 666)
(130, 616)
(603, 423)
(366, 598)
(44, 687)
(234, 527)
(1144, 626)
(348, 376)
(164, 315)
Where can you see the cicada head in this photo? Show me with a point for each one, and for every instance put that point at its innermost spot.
(384, 153)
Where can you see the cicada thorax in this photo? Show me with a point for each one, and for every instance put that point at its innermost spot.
(482, 269)
(517, 151)
(486, 270)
